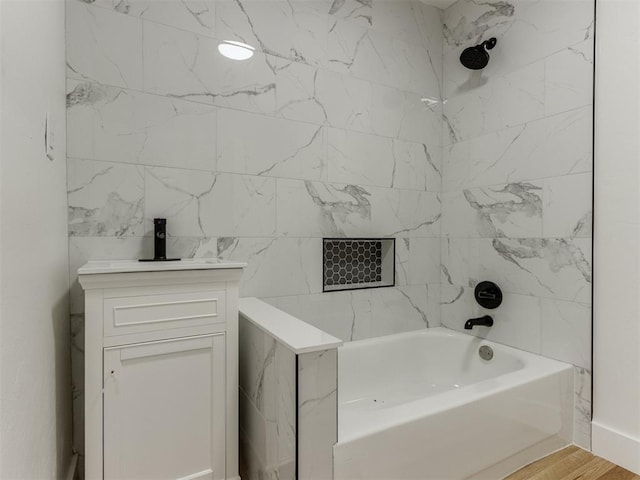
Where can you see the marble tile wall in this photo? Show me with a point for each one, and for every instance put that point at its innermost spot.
(288, 409)
(268, 411)
(333, 128)
(347, 121)
(517, 178)
(317, 413)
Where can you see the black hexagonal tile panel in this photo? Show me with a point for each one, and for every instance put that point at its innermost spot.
(349, 262)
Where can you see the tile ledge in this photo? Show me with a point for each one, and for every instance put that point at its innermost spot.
(297, 335)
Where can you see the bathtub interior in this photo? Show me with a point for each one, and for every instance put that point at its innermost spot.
(427, 395)
(385, 372)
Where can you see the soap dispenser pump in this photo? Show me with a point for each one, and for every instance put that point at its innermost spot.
(159, 242)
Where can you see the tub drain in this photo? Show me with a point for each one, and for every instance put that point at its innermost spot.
(486, 352)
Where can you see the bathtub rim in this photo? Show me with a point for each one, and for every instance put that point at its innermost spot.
(536, 367)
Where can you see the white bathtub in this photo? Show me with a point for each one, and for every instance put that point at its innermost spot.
(424, 405)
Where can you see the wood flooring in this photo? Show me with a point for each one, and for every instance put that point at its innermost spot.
(572, 463)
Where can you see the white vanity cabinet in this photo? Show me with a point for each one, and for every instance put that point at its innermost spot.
(161, 370)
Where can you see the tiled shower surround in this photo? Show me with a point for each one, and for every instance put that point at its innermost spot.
(517, 179)
(353, 119)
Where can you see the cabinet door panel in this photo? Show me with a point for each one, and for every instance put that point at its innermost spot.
(164, 409)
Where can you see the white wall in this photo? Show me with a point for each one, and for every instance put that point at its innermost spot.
(35, 414)
(616, 400)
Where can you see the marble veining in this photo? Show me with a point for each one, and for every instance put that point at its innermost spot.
(515, 208)
(582, 401)
(116, 124)
(268, 411)
(489, 16)
(105, 199)
(359, 11)
(555, 254)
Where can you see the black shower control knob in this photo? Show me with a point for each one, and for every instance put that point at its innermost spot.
(488, 295)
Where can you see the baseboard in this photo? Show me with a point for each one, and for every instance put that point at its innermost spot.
(73, 467)
(616, 447)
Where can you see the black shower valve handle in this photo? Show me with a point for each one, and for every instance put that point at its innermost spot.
(488, 295)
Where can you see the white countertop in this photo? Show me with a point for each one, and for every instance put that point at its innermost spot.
(298, 336)
(127, 266)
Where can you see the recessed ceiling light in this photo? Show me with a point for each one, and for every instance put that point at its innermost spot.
(235, 50)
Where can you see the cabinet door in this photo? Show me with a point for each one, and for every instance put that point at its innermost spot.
(164, 409)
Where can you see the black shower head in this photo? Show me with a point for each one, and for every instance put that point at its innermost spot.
(476, 58)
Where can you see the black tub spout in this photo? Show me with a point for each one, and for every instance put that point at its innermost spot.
(485, 321)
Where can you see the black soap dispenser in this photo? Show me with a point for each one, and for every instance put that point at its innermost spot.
(159, 242)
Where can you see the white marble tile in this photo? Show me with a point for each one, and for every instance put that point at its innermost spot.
(296, 92)
(424, 261)
(401, 309)
(566, 332)
(380, 161)
(402, 261)
(361, 159)
(264, 275)
(527, 32)
(253, 428)
(516, 322)
(205, 204)
(414, 166)
(553, 146)
(115, 124)
(105, 199)
(388, 110)
(76, 326)
(405, 20)
(497, 103)
(582, 408)
(568, 206)
(457, 215)
(543, 28)
(317, 413)
(346, 101)
(286, 411)
(83, 249)
(185, 65)
(550, 268)
(456, 305)
(433, 157)
(318, 209)
(268, 393)
(357, 11)
(300, 33)
(455, 261)
(190, 247)
(429, 20)
(260, 145)
(254, 357)
(369, 54)
(513, 210)
(406, 115)
(193, 15)
(569, 78)
(411, 213)
(346, 315)
(455, 166)
(103, 46)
